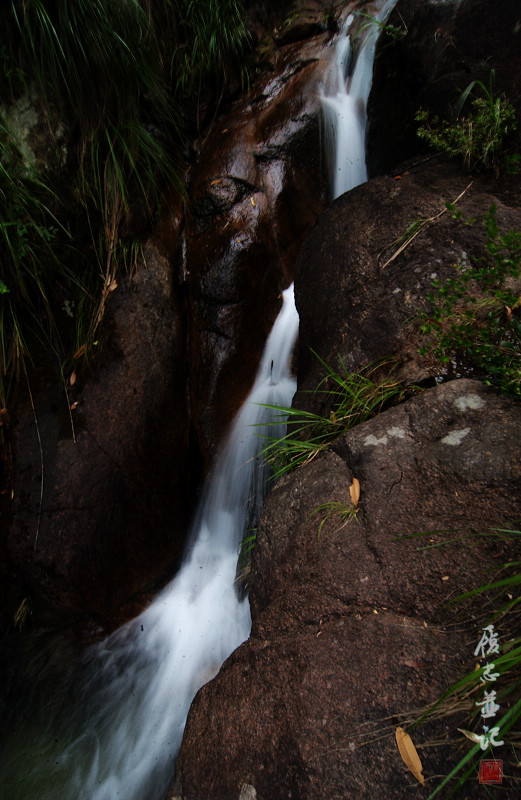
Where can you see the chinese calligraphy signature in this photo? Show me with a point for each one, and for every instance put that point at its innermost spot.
(488, 646)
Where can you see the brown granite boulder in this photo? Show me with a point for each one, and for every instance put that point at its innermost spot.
(350, 634)
(107, 518)
(358, 297)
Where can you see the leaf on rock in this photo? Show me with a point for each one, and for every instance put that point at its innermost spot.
(354, 491)
(409, 754)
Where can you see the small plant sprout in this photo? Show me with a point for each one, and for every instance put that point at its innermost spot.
(478, 138)
(393, 32)
(23, 612)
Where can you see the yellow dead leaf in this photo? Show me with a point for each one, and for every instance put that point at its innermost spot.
(72, 379)
(113, 285)
(354, 491)
(409, 754)
(252, 201)
(216, 181)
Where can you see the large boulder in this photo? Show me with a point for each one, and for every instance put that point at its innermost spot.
(379, 291)
(101, 474)
(350, 635)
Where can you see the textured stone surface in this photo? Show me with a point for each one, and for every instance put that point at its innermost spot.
(350, 636)
(256, 190)
(113, 513)
(374, 307)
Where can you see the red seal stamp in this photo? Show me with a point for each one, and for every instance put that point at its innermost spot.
(490, 770)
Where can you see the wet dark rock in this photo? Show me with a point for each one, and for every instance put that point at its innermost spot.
(349, 634)
(256, 190)
(115, 503)
(447, 45)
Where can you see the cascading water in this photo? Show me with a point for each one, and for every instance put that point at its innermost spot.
(113, 729)
(123, 724)
(344, 97)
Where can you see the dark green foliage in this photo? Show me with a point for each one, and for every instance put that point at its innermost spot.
(212, 42)
(29, 237)
(475, 317)
(478, 138)
(107, 79)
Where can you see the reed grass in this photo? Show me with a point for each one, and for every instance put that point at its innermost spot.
(354, 397)
(111, 80)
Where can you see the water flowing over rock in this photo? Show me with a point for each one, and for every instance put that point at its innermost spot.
(256, 190)
(349, 632)
(349, 637)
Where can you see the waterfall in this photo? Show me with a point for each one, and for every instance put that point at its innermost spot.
(123, 721)
(114, 728)
(344, 95)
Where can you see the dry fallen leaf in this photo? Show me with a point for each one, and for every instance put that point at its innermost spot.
(252, 201)
(354, 491)
(72, 379)
(113, 285)
(409, 754)
(216, 181)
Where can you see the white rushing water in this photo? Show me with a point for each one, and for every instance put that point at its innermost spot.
(125, 722)
(124, 712)
(344, 97)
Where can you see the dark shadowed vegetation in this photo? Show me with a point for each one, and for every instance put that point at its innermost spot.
(97, 101)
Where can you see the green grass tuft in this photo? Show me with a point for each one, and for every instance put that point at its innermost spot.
(353, 397)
